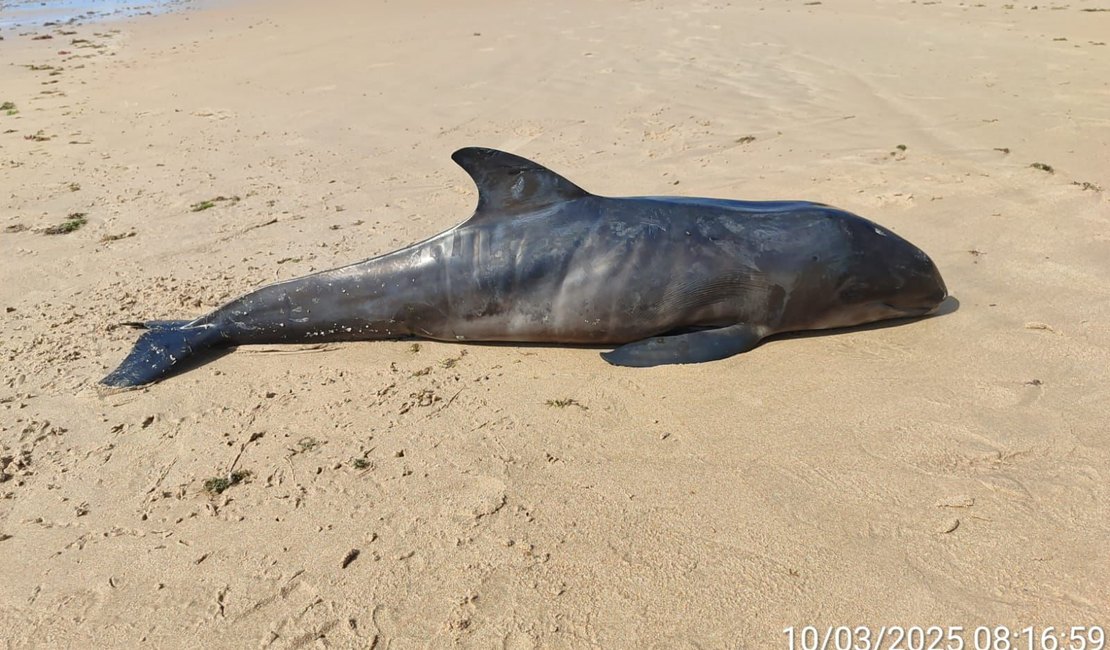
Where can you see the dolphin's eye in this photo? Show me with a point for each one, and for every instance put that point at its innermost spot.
(520, 184)
(852, 292)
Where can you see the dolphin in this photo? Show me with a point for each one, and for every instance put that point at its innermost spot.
(665, 279)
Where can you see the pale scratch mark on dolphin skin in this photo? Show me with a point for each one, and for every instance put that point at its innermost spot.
(668, 279)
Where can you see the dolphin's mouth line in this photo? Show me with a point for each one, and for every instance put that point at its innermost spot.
(919, 311)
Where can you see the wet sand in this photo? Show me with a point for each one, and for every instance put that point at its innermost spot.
(32, 14)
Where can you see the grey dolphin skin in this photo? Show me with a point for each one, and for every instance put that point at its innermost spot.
(668, 280)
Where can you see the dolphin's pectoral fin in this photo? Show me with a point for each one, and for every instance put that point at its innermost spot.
(509, 185)
(694, 347)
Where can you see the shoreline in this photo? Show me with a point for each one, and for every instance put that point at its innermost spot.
(33, 14)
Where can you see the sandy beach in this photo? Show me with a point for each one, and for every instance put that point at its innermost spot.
(951, 471)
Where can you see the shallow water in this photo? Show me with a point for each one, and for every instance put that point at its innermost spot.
(38, 13)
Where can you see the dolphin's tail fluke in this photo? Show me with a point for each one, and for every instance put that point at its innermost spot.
(163, 346)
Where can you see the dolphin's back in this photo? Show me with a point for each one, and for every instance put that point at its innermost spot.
(751, 207)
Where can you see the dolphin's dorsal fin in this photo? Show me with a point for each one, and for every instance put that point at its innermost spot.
(509, 184)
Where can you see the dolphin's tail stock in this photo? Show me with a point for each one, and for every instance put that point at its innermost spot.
(164, 345)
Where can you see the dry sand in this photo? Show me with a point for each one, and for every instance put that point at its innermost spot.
(951, 471)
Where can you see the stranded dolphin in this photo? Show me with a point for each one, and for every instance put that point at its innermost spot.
(667, 279)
